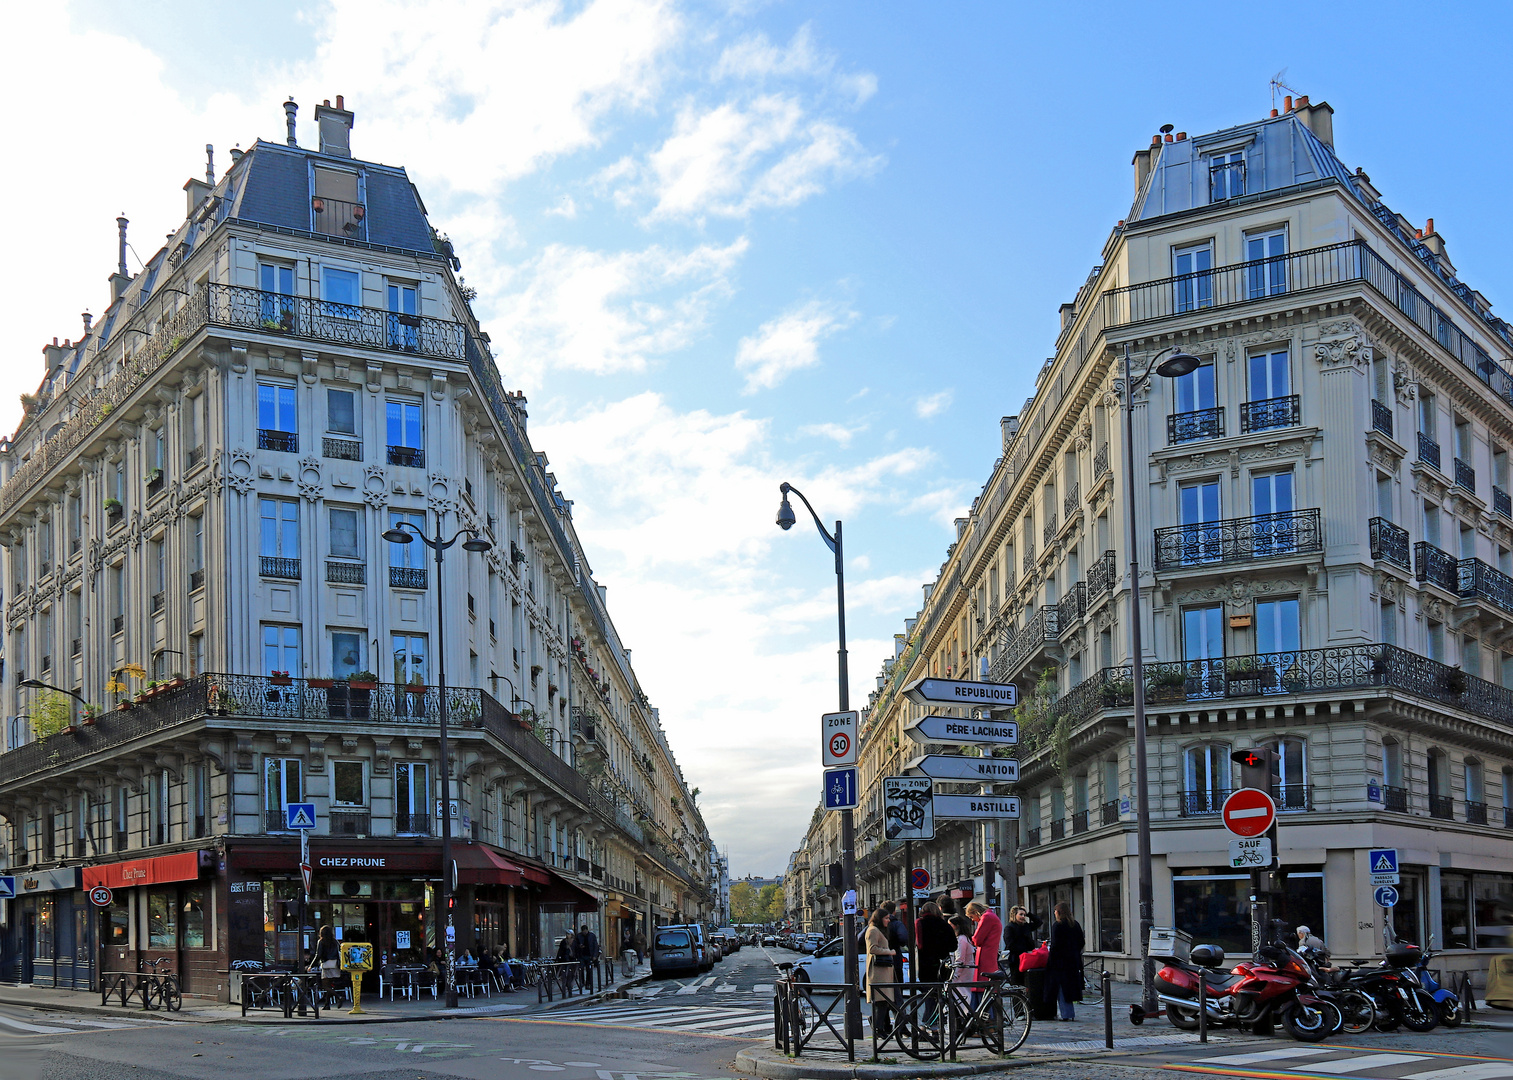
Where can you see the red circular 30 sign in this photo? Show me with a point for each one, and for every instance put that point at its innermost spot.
(99, 896)
(1249, 812)
(840, 744)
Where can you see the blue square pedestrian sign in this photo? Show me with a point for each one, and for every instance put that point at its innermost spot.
(299, 815)
(840, 788)
(7, 888)
(1383, 866)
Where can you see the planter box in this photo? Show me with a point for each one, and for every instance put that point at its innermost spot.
(123, 706)
(320, 684)
(362, 686)
(279, 680)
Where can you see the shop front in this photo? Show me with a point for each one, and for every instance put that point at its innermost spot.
(161, 908)
(51, 935)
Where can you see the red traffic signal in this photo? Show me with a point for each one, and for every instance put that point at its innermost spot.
(1253, 759)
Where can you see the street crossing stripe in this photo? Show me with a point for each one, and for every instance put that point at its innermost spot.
(1369, 1061)
(32, 1029)
(1265, 1055)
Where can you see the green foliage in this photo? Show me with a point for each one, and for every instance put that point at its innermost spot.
(774, 904)
(51, 712)
(1042, 726)
(745, 903)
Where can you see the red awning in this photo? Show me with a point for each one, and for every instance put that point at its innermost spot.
(162, 868)
(478, 864)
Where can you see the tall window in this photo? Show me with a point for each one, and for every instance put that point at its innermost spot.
(199, 799)
(1194, 285)
(342, 292)
(346, 543)
(1226, 176)
(196, 551)
(1198, 506)
(1270, 375)
(160, 808)
(1392, 763)
(277, 418)
(406, 445)
(404, 324)
(349, 783)
(1271, 495)
(194, 431)
(1289, 773)
(1205, 777)
(1195, 390)
(347, 656)
(413, 554)
(116, 597)
(282, 649)
(1203, 649)
(282, 783)
(277, 284)
(1266, 256)
(1277, 628)
(279, 538)
(412, 797)
(341, 412)
(75, 524)
(409, 658)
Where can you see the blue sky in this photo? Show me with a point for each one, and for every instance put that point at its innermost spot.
(724, 245)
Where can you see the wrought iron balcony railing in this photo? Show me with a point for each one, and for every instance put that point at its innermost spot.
(1502, 503)
(407, 577)
(1381, 418)
(1232, 540)
(196, 580)
(1079, 822)
(1395, 799)
(1016, 647)
(1476, 813)
(1475, 580)
(1100, 461)
(341, 449)
(1434, 566)
(1507, 817)
(343, 324)
(1428, 450)
(1108, 812)
(1202, 803)
(346, 573)
(1389, 542)
(410, 456)
(275, 567)
(412, 824)
(1058, 829)
(348, 822)
(1442, 806)
(337, 217)
(1101, 576)
(1072, 607)
(1186, 427)
(1292, 796)
(1031, 838)
(1465, 476)
(1048, 530)
(1072, 503)
(285, 442)
(1271, 413)
(1029, 557)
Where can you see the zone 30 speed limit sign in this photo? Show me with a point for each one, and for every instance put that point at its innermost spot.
(838, 739)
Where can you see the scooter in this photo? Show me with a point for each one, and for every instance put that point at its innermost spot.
(1394, 986)
(1451, 1012)
(1280, 985)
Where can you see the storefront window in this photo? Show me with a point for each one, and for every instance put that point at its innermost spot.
(46, 928)
(120, 922)
(194, 918)
(1455, 910)
(1494, 910)
(162, 921)
(1300, 898)
(1214, 909)
(1110, 913)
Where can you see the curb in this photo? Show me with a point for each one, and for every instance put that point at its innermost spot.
(610, 994)
(774, 1067)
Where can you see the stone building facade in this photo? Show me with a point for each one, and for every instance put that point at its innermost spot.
(192, 518)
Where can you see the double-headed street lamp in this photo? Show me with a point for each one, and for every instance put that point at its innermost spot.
(399, 535)
(1175, 366)
(786, 520)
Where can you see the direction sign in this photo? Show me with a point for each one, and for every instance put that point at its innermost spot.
(976, 806)
(956, 767)
(1383, 864)
(100, 896)
(951, 729)
(1249, 812)
(1385, 896)
(7, 888)
(908, 808)
(1250, 853)
(840, 788)
(919, 878)
(299, 815)
(956, 692)
(838, 739)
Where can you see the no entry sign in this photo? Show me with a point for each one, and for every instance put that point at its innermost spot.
(1249, 812)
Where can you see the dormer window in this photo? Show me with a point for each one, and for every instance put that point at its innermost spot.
(1226, 175)
(336, 208)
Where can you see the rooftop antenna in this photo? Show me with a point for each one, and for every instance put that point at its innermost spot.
(1278, 84)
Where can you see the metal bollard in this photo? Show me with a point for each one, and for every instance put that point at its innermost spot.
(1202, 1008)
(1108, 1009)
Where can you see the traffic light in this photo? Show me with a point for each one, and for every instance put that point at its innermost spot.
(1255, 767)
(835, 875)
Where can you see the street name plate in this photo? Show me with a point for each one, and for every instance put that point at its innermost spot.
(976, 806)
(956, 767)
(960, 692)
(952, 729)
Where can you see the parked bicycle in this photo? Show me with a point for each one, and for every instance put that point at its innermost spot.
(161, 990)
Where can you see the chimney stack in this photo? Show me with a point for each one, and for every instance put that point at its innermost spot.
(88, 320)
(210, 165)
(1142, 163)
(335, 124)
(290, 111)
(1319, 120)
(121, 223)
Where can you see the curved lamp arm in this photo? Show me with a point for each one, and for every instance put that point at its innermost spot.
(785, 488)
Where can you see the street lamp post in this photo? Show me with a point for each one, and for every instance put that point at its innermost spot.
(1178, 364)
(438, 546)
(785, 521)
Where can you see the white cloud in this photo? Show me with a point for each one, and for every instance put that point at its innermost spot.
(933, 405)
(604, 312)
(788, 343)
(755, 57)
(944, 505)
(565, 207)
(841, 434)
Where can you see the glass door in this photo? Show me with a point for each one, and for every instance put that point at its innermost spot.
(409, 670)
(404, 323)
(1199, 510)
(1274, 528)
(1203, 649)
(1194, 284)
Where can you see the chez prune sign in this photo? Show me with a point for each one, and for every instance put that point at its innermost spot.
(351, 862)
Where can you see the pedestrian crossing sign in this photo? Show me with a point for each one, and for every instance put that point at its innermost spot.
(299, 815)
(1384, 861)
(7, 888)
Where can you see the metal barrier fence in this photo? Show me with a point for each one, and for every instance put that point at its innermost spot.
(565, 978)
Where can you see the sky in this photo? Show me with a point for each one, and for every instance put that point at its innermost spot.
(724, 245)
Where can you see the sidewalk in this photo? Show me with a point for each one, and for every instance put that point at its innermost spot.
(375, 1010)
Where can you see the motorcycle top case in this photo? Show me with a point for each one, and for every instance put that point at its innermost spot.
(1207, 956)
(1403, 955)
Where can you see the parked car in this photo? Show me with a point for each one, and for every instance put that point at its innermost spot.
(732, 939)
(828, 965)
(676, 948)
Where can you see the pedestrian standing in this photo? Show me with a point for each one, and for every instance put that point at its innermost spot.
(327, 960)
(935, 941)
(1063, 972)
(1019, 938)
(566, 948)
(880, 972)
(988, 937)
(966, 954)
(588, 955)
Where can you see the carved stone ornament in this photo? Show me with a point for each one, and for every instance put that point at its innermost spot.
(1349, 351)
(239, 472)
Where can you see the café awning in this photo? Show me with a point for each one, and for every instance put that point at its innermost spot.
(479, 864)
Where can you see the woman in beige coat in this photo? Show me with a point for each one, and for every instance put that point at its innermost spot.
(881, 960)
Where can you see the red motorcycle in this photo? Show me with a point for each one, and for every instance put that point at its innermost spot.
(1279, 986)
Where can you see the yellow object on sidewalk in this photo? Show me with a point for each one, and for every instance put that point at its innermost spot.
(356, 957)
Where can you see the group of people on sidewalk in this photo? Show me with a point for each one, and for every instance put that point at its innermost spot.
(582, 947)
(964, 948)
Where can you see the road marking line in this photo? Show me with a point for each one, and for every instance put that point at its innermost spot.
(1265, 1055)
(35, 1029)
(725, 988)
(762, 988)
(1486, 1070)
(1370, 1061)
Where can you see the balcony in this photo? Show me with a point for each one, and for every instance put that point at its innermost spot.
(1235, 540)
(1435, 567)
(1100, 461)
(1381, 418)
(285, 442)
(412, 824)
(1017, 647)
(1048, 531)
(1101, 576)
(117, 624)
(348, 822)
(407, 577)
(1476, 813)
(1501, 502)
(336, 217)
(1428, 451)
(196, 580)
(1072, 608)
(1442, 807)
(1465, 476)
(1072, 503)
(346, 573)
(114, 515)
(1202, 803)
(1292, 796)
(194, 457)
(1058, 829)
(272, 566)
(155, 484)
(1389, 542)
(1270, 414)
(341, 449)
(1507, 817)
(412, 457)
(1475, 580)
(1029, 557)
(1079, 822)
(1395, 799)
(1032, 838)
(1108, 812)
(155, 604)
(1186, 427)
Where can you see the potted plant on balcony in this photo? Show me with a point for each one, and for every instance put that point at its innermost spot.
(1455, 681)
(280, 678)
(92, 714)
(1168, 684)
(362, 680)
(112, 506)
(320, 684)
(1116, 691)
(154, 475)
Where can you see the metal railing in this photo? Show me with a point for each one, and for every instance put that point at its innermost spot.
(1476, 812)
(1442, 806)
(1202, 803)
(1428, 450)
(337, 217)
(1292, 796)
(348, 822)
(346, 573)
(1049, 529)
(1271, 413)
(1072, 503)
(285, 442)
(1079, 822)
(1502, 503)
(407, 577)
(1058, 829)
(1435, 567)
(1395, 799)
(409, 456)
(1475, 580)
(1101, 576)
(1100, 461)
(343, 324)
(278, 567)
(1230, 540)
(1465, 475)
(196, 580)
(1186, 427)
(1381, 418)
(1071, 608)
(1389, 542)
(1108, 812)
(1037, 633)
(341, 449)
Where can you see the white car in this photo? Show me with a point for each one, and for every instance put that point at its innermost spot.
(828, 965)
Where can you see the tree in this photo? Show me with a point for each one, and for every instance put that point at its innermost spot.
(774, 905)
(743, 903)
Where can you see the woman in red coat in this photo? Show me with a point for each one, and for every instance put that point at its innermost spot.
(988, 937)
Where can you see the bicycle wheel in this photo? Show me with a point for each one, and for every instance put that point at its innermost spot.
(1016, 1019)
(1357, 1012)
(1092, 981)
(152, 994)
(170, 995)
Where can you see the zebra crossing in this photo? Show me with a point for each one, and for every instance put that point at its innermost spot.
(23, 1023)
(1316, 1062)
(733, 1020)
